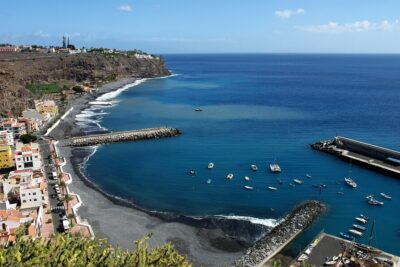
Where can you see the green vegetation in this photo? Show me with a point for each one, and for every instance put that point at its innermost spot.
(73, 250)
(28, 138)
(50, 88)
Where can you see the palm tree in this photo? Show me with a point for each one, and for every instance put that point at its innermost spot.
(63, 186)
(67, 199)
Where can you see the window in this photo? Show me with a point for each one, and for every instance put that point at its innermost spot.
(34, 193)
(23, 195)
(24, 201)
(35, 199)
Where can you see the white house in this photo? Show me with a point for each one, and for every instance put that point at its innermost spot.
(31, 198)
(27, 156)
(6, 138)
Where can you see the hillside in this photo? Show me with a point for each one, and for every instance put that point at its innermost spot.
(20, 71)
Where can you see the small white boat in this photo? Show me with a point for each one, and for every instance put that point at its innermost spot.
(297, 181)
(369, 197)
(229, 176)
(302, 258)
(210, 165)
(192, 172)
(254, 168)
(248, 187)
(355, 232)
(350, 182)
(359, 227)
(386, 196)
(361, 220)
(375, 202)
(292, 185)
(209, 181)
(274, 168)
(198, 109)
(247, 178)
(308, 176)
(272, 188)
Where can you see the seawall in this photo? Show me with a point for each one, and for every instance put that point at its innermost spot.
(270, 244)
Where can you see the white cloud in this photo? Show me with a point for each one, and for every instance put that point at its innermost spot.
(287, 13)
(125, 8)
(358, 26)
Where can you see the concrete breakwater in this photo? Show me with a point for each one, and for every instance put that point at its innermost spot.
(274, 241)
(135, 135)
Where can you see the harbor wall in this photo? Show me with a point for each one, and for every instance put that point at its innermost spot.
(280, 236)
(135, 135)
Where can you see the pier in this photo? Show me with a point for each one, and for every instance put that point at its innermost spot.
(372, 156)
(134, 135)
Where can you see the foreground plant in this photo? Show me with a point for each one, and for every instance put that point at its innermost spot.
(73, 250)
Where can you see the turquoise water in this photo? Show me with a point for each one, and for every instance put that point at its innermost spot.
(257, 109)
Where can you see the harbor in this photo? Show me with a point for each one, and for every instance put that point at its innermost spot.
(134, 135)
(372, 156)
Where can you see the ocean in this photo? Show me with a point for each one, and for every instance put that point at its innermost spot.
(257, 109)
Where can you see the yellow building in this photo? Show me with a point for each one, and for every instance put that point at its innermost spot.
(48, 106)
(6, 157)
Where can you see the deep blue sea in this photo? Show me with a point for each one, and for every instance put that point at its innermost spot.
(257, 109)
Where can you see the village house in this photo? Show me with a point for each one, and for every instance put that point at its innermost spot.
(13, 126)
(34, 120)
(6, 157)
(6, 138)
(27, 156)
(47, 106)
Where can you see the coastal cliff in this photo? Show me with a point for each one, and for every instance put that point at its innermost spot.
(18, 71)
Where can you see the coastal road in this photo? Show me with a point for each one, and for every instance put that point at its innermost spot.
(57, 210)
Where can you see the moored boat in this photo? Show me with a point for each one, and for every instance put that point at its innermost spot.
(210, 165)
(247, 178)
(308, 175)
(192, 172)
(198, 109)
(248, 187)
(359, 227)
(361, 220)
(229, 176)
(292, 185)
(350, 182)
(209, 181)
(346, 236)
(297, 181)
(355, 232)
(386, 196)
(375, 202)
(272, 188)
(274, 168)
(253, 167)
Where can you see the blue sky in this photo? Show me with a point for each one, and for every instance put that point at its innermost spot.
(205, 26)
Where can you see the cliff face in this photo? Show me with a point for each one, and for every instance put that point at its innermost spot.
(17, 71)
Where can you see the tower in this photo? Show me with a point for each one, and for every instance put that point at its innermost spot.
(65, 41)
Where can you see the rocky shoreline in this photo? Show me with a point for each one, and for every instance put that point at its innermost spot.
(299, 219)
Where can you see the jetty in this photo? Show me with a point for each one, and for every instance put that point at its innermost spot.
(281, 235)
(372, 156)
(133, 135)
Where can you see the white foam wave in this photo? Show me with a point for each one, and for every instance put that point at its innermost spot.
(115, 93)
(266, 222)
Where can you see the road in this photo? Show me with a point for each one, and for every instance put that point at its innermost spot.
(56, 206)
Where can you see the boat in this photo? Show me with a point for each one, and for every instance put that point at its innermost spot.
(210, 165)
(308, 176)
(386, 196)
(274, 168)
(248, 187)
(192, 172)
(209, 181)
(350, 182)
(340, 193)
(247, 178)
(253, 167)
(364, 217)
(359, 227)
(346, 236)
(297, 181)
(355, 232)
(292, 185)
(302, 258)
(198, 109)
(229, 176)
(361, 220)
(375, 202)
(272, 188)
(369, 197)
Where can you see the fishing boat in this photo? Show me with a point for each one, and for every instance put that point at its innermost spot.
(350, 182)
(308, 176)
(209, 181)
(229, 176)
(386, 196)
(248, 187)
(355, 232)
(272, 188)
(210, 165)
(346, 236)
(359, 227)
(192, 172)
(253, 167)
(274, 168)
(247, 178)
(361, 220)
(375, 202)
(198, 109)
(297, 181)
